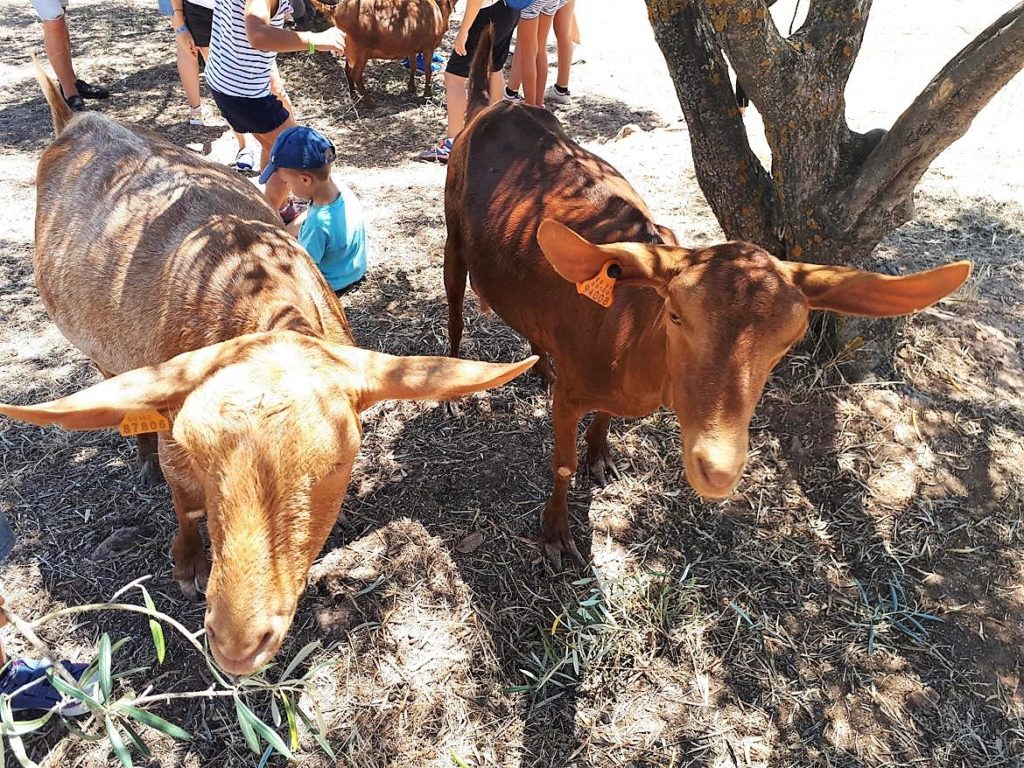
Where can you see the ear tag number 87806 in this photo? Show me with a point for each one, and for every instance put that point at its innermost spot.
(601, 287)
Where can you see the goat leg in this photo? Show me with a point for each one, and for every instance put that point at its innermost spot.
(150, 475)
(599, 458)
(557, 538)
(191, 565)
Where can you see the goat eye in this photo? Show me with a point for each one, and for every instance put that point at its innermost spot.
(674, 318)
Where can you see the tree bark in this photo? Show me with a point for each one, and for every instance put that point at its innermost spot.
(731, 177)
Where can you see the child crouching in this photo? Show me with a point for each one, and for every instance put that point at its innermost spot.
(332, 229)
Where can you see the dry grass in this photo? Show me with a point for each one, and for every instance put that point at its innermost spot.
(777, 628)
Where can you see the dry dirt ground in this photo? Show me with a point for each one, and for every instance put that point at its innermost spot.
(786, 626)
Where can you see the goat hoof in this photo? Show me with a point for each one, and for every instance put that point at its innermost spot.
(603, 469)
(192, 578)
(554, 550)
(150, 474)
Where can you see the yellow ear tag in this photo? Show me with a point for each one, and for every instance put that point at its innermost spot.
(601, 287)
(141, 422)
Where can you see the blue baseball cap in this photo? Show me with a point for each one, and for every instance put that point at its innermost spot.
(300, 148)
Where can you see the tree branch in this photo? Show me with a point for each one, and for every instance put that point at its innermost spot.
(736, 185)
(834, 29)
(881, 194)
(756, 49)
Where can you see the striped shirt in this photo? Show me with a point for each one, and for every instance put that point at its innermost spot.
(236, 68)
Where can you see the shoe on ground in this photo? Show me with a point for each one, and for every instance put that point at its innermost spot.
(90, 91)
(244, 160)
(435, 63)
(511, 96)
(438, 154)
(41, 695)
(204, 116)
(556, 96)
(293, 209)
(76, 103)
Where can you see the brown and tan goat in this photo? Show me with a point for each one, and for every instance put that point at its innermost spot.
(388, 29)
(531, 215)
(174, 277)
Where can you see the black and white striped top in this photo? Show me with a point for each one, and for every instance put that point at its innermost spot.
(236, 68)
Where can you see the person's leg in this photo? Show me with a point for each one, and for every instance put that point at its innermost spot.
(188, 69)
(277, 189)
(277, 88)
(563, 36)
(496, 86)
(526, 53)
(458, 100)
(58, 51)
(515, 76)
(543, 31)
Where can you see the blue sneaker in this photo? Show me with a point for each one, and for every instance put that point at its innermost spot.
(438, 154)
(435, 63)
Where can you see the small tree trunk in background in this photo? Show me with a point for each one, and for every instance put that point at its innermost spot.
(832, 194)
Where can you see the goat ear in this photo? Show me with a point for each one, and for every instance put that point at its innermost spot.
(158, 387)
(849, 291)
(378, 377)
(577, 259)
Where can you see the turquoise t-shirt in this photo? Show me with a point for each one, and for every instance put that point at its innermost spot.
(334, 236)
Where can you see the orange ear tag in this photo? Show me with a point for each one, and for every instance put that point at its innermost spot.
(141, 422)
(601, 287)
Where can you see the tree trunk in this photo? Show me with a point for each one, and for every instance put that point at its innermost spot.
(832, 194)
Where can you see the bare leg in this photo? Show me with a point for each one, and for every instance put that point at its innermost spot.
(564, 20)
(557, 539)
(599, 458)
(543, 30)
(58, 50)
(188, 70)
(515, 76)
(457, 101)
(496, 86)
(526, 53)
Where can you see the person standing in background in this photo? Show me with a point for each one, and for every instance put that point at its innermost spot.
(57, 41)
(245, 38)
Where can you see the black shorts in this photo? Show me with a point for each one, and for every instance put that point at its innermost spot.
(199, 21)
(504, 20)
(260, 115)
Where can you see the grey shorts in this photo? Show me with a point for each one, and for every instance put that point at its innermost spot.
(49, 10)
(6, 537)
(537, 7)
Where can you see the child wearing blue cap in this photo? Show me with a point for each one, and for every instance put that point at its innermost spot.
(332, 229)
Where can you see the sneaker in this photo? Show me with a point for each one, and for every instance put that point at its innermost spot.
(438, 154)
(244, 160)
(435, 63)
(41, 696)
(204, 116)
(90, 91)
(76, 103)
(557, 95)
(293, 209)
(512, 96)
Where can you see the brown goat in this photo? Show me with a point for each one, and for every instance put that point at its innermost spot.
(174, 276)
(388, 29)
(531, 216)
